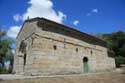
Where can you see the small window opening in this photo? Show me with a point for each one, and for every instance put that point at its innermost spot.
(91, 51)
(76, 49)
(24, 59)
(64, 42)
(55, 47)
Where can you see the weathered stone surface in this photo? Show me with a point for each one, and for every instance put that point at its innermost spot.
(112, 77)
(53, 51)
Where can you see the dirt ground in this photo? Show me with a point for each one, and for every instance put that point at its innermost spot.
(105, 77)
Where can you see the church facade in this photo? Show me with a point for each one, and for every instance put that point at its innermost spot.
(45, 47)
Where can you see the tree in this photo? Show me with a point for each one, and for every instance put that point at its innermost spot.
(5, 49)
(116, 43)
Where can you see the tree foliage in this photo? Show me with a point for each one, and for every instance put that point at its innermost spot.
(116, 43)
(5, 50)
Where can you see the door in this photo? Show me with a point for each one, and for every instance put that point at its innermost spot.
(85, 65)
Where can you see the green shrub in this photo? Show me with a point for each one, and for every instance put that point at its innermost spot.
(119, 60)
(3, 70)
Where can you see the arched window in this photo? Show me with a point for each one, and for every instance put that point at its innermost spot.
(91, 52)
(76, 49)
(54, 47)
(22, 47)
(24, 59)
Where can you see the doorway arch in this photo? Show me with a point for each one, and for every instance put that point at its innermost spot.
(85, 65)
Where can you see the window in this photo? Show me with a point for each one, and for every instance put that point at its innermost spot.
(22, 47)
(24, 59)
(54, 47)
(76, 49)
(64, 42)
(91, 51)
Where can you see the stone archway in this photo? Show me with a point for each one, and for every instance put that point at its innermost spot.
(22, 56)
(85, 65)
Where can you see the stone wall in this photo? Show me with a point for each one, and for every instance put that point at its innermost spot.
(52, 51)
(65, 59)
(25, 34)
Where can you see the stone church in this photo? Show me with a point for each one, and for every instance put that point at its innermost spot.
(45, 47)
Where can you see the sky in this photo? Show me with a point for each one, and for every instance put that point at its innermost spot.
(90, 16)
